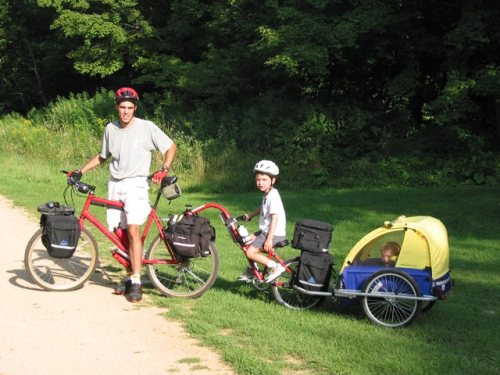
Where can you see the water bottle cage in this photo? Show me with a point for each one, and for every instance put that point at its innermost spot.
(244, 240)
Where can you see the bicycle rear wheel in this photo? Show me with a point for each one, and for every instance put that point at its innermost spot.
(286, 295)
(189, 278)
(61, 274)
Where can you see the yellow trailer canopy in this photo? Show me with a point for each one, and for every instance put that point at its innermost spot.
(423, 241)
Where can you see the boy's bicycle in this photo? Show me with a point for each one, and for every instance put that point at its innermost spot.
(170, 274)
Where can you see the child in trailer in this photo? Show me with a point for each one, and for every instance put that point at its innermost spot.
(388, 252)
(272, 221)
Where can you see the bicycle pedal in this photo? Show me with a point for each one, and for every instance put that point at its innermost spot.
(245, 280)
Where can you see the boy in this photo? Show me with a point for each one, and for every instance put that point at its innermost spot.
(272, 220)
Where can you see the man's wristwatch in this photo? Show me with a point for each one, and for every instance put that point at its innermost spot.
(165, 169)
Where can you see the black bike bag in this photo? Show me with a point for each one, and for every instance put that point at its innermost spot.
(60, 229)
(190, 236)
(312, 236)
(314, 271)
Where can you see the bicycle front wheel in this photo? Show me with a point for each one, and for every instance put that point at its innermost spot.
(189, 278)
(286, 295)
(61, 274)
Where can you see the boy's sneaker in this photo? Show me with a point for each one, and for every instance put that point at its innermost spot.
(275, 273)
(247, 276)
(133, 293)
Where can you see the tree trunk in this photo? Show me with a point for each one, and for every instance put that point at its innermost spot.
(41, 92)
(497, 117)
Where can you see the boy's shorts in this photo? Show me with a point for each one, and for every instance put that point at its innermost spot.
(260, 238)
(133, 192)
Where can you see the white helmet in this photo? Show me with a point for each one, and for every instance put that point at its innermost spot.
(267, 167)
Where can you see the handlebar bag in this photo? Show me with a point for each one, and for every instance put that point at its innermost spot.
(312, 236)
(314, 271)
(60, 230)
(190, 236)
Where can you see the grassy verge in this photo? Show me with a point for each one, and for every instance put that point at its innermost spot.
(257, 336)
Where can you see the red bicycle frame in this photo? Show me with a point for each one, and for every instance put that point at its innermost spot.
(122, 254)
(230, 224)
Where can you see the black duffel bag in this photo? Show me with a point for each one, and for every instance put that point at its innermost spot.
(314, 271)
(312, 236)
(60, 229)
(190, 236)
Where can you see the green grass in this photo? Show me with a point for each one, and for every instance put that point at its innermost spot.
(257, 336)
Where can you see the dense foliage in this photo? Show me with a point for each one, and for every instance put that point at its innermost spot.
(338, 88)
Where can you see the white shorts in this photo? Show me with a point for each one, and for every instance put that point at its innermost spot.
(133, 192)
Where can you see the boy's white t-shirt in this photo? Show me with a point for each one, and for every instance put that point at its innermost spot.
(272, 204)
(130, 148)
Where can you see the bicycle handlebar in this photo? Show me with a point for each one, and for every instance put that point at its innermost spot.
(85, 188)
(82, 187)
(167, 180)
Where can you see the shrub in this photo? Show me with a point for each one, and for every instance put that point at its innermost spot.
(322, 149)
(78, 111)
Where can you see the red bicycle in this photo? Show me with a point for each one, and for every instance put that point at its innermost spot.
(171, 275)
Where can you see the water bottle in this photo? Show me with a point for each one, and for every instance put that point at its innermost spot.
(243, 232)
(122, 235)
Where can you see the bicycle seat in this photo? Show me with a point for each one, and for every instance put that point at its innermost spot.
(169, 180)
(281, 244)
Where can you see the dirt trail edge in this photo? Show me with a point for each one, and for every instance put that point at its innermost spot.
(88, 331)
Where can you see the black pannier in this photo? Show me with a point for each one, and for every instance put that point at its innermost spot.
(312, 236)
(314, 271)
(190, 236)
(60, 229)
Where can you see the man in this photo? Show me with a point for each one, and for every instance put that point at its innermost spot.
(129, 142)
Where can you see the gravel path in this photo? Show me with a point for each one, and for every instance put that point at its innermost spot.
(88, 331)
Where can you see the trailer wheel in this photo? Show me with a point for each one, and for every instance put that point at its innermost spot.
(392, 304)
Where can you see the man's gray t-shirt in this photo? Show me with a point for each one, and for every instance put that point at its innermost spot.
(130, 148)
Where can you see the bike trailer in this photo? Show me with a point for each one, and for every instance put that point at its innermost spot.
(423, 255)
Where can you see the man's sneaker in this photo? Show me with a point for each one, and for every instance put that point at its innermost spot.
(121, 289)
(133, 293)
(275, 273)
(247, 276)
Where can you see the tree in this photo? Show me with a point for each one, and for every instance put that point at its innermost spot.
(469, 99)
(319, 80)
(109, 33)
(4, 7)
(34, 67)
